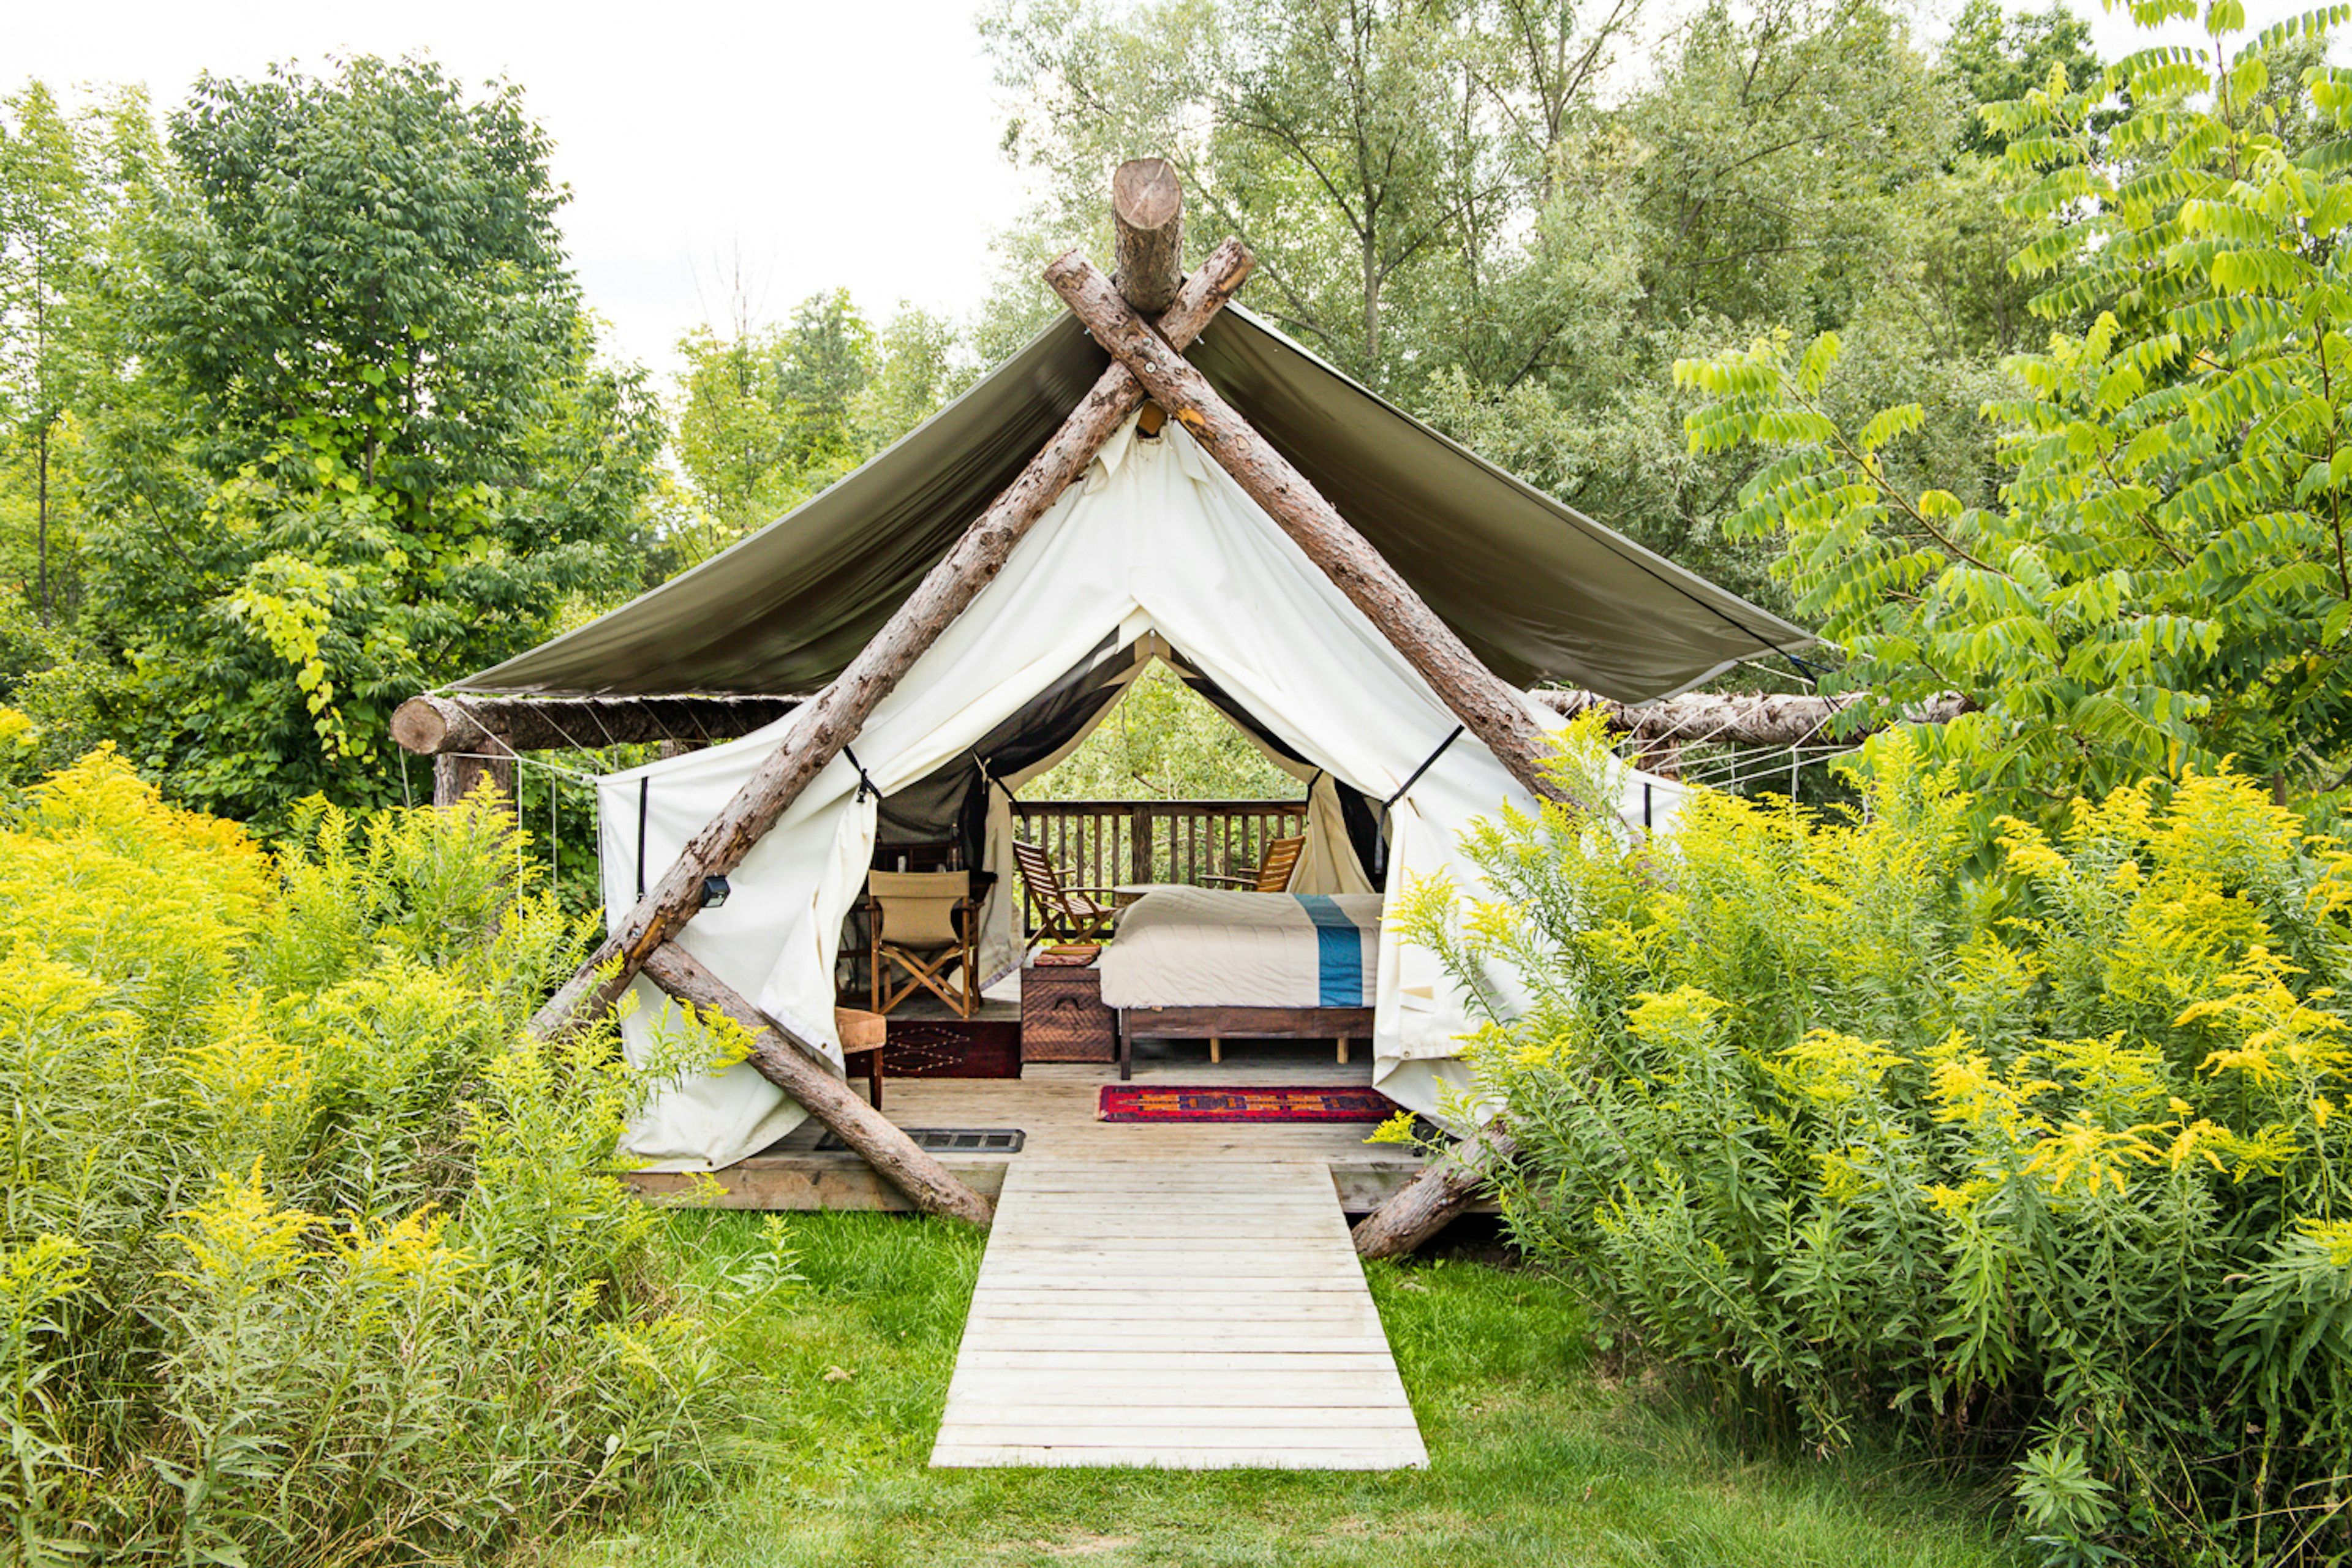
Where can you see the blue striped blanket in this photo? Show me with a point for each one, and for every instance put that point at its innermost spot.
(1194, 947)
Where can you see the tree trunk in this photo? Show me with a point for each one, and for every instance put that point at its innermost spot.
(1493, 712)
(834, 717)
(1146, 215)
(807, 1075)
(1423, 1205)
(429, 725)
(41, 549)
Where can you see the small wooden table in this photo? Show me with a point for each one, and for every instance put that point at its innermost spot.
(863, 1031)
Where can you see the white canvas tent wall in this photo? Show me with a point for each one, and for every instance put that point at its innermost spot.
(1157, 541)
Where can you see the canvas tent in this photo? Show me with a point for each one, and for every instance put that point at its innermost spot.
(1156, 552)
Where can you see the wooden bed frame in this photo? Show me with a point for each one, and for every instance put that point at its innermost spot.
(1342, 1024)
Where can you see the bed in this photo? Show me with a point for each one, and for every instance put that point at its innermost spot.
(1195, 962)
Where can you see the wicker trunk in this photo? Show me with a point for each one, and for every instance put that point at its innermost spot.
(1063, 1018)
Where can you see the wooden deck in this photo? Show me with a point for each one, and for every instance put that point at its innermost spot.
(1054, 1105)
(1195, 1315)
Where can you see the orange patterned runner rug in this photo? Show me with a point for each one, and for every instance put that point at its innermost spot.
(1182, 1102)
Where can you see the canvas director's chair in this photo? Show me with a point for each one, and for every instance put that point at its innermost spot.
(924, 925)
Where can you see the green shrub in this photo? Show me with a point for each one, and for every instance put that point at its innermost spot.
(308, 1253)
(2052, 1164)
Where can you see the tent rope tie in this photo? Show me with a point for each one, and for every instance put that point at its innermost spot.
(645, 788)
(865, 784)
(1380, 839)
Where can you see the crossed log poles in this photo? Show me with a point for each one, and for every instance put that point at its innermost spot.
(1147, 361)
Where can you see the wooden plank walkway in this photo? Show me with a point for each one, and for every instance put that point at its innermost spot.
(1191, 1316)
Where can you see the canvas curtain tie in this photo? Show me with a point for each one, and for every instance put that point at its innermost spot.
(865, 784)
(1380, 837)
(645, 787)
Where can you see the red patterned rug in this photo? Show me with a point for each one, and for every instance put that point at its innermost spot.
(1187, 1102)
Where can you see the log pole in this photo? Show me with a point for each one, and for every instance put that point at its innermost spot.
(834, 717)
(1421, 1208)
(438, 724)
(1741, 719)
(1146, 217)
(1495, 711)
(807, 1075)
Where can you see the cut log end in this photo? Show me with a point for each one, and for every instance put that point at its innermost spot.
(419, 726)
(1146, 193)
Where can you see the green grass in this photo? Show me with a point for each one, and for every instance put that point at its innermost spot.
(1535, 1459)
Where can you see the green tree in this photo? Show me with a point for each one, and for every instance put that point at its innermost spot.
(2163, 579)
(377, 449)
(1997, 58)
(66, 180)
(768, 416)
(1165, 742)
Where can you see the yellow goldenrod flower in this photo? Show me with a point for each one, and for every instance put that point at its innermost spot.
(2334, 1234)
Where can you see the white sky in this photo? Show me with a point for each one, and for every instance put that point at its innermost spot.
(846, 144)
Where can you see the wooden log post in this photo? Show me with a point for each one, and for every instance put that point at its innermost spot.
(834, 717)
(1421, 1207)
(1490, 709)
(457, 775)
(807, 1075)
(1146, 217)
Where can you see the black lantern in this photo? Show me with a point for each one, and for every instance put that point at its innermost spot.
(714, 892)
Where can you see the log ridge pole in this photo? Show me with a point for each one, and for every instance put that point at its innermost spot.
(1492, 709)
(834, 716)
(1741, 719)
(435, 724)
(798, 1069)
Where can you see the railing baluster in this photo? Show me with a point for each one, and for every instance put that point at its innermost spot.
(1101, 844)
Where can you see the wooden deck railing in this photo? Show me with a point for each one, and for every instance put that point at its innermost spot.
(1103, 843)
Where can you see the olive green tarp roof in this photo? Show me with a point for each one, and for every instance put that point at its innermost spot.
(1538, 590)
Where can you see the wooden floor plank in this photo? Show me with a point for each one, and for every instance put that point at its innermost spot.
(1396, 1456)
(1306, 1391)
(1134, 1313)
(1111, 1362)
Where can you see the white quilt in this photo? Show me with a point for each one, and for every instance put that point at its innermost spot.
(1197, 947)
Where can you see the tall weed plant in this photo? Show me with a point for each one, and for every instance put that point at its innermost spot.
(2051, 1166)
(309, 1253)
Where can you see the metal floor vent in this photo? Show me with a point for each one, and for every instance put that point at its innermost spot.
(953, 1140)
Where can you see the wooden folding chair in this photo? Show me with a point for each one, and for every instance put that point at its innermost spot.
(1274, 872)
(1064, 914)
(923, 921)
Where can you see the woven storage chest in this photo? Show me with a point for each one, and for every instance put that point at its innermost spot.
(1063, 1018)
